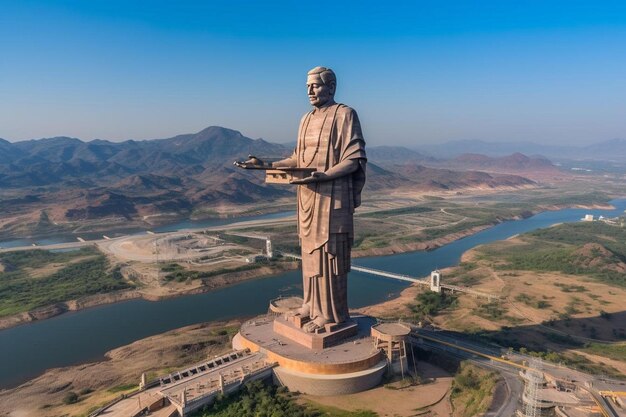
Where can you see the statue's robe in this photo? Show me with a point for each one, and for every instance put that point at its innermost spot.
(328, 136)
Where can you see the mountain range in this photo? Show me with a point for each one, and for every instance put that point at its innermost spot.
(72, 180)
(610, 150)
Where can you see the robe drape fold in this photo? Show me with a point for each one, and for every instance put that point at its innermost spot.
(325, 209)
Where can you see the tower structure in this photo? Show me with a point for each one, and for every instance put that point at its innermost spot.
(533, 381)
(268, 248)
(435, 281)
(391, 339)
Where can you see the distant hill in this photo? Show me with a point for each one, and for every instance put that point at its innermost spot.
(611, 150)
(21, 162)
(514, 162)
(8, 152)
(427, 178)
(533, 167)
(395, 155)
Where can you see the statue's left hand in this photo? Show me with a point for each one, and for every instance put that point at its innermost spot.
(316, 176)
(252, 162)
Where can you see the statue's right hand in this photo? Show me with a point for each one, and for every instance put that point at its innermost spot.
(251, 162)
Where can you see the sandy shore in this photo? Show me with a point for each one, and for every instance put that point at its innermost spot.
(102, 381)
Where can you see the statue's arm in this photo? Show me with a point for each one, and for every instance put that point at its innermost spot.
(352, 155)
(291, 162)
(255, 163)
(342, 169)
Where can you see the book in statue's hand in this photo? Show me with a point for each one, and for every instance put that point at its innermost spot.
(285, 175)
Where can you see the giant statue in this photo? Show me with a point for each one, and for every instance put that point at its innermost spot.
(331, 150)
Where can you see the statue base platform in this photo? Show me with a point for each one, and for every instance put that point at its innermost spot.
(330, 335)
(351, 363)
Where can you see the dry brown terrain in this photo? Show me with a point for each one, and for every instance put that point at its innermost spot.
(520, 313)
(583, 297)
(118, 373)
(431, 398)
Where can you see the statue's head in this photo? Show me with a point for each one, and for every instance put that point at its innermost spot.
(321, 84)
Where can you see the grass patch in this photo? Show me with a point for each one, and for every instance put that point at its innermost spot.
(257, 399)
(593, 249)
(575, 361)
(181, 275)
(20, 292)
(570, 288)
(492, 311)
(226, 331)
(430, 303)
(531, 301)
(472, 390)
(615, 351)
(70, 398)
(122, 388)
(383, 214)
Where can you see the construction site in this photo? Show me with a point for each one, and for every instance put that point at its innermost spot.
(168, 259)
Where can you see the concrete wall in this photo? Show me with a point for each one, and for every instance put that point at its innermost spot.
(325, 385)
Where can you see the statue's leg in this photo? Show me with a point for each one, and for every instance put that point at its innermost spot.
(336, 270)
(310, 271)
(325, 283)
(339, 290)
(305, 310)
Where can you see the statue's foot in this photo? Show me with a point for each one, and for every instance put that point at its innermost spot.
(317, 324)
(320, 322)
(304, 311)
(311, 327)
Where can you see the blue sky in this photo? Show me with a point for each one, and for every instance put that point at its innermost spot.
(416, 71)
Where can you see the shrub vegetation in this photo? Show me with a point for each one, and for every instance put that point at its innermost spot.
(82, 273)
(559, 249)
(256, 399)
(430, 303)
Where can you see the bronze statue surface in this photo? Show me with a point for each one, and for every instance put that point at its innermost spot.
(328, 165)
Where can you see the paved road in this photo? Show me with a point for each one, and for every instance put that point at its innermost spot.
(68, 245)
(591, 383)
(503, 405)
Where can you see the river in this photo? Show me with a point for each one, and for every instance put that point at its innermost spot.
(26, 351)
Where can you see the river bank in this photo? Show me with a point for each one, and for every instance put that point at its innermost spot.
(99, 382)
(233, 278)
(217, 282)
(433, 244)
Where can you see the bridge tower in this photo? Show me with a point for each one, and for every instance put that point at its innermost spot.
(435, 281)
(268, 248)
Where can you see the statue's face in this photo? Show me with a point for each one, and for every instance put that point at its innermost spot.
(319, 93)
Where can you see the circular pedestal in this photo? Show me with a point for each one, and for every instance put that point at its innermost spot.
(285, 304)
(352, 365)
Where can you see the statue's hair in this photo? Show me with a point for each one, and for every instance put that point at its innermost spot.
(326, 74)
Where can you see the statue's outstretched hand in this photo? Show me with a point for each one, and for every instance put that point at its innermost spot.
(316, 176)
(252, 162)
